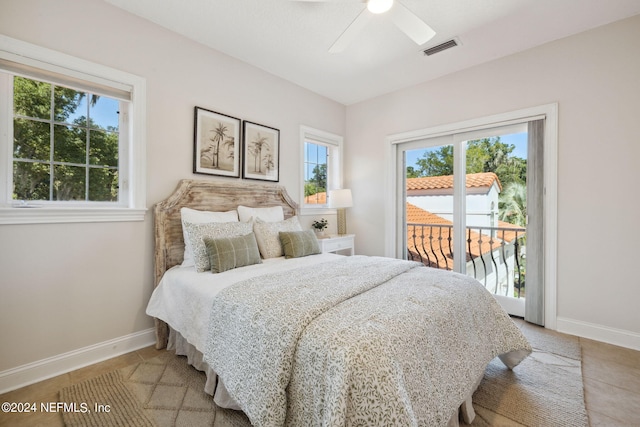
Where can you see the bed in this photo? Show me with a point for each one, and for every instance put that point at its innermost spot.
(321, 339)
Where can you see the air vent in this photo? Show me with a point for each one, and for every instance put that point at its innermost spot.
(442, 46)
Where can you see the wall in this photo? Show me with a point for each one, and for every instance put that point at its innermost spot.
(478, 205)
(65, 287)
(594, 78)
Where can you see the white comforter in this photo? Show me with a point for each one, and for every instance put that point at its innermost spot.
(184, 297)
(356, 341)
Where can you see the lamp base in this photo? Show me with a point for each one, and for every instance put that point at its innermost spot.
(342, 221)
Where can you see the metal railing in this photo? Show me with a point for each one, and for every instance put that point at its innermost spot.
(495, 256)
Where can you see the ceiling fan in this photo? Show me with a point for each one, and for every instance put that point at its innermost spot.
(403, 18)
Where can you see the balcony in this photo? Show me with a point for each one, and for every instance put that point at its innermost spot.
(495, 255)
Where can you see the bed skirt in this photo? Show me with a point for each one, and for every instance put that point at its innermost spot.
(221, 396)
(195, 358)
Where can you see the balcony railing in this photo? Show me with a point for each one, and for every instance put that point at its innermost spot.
(495, 256)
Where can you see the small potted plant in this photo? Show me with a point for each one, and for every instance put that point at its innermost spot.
(319, 226)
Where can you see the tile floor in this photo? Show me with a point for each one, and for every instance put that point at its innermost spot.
(611, 380)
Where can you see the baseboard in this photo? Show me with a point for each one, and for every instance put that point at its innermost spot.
(619, 337)
(50, 367)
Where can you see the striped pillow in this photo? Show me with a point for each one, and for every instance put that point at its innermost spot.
(227, 253)
(299, 243)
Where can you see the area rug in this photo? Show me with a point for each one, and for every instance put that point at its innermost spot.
(544, 390)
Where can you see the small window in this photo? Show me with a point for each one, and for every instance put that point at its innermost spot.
(321, 166)
(73, 146)
(316, 159)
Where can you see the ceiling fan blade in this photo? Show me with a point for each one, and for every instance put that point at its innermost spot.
(351, 32)
(410, 24)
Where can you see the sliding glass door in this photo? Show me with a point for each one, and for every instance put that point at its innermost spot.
(464, 207)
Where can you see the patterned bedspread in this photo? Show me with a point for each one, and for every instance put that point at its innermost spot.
(357, 341)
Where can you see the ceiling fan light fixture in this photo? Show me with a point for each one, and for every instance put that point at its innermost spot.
(379, 6)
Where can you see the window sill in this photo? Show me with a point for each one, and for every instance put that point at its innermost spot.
(317, 211)
(69, 215)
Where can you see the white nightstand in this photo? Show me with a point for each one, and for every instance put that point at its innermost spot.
(336, 243)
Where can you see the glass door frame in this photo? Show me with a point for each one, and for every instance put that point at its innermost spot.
(394, 210)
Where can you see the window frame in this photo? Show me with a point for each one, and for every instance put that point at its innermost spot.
(132, 151)
(334, 144)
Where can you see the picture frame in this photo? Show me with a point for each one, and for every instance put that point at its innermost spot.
(260, 152)
(216, 140)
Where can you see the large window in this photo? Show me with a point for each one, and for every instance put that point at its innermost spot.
(65, 144)
(74, 142)
(321, 166)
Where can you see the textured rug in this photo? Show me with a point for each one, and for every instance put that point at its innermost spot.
(544, 390)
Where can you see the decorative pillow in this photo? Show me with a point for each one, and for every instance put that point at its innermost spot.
(272, 214)
(297, 244)
(199, 217)
(267, 235)
(227, 253)
(196, 233)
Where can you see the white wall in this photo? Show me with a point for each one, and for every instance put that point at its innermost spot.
(594, 77)
(478, 206)
(64, 287)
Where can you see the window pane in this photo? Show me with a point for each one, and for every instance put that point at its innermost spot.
(103, 148)
(31, 98)
(429, 206)
(31, 140)
(104, 113)
(69, 105)
(69, 182)
(315, 185)
(322, 154)
(30, 181)
(103, 185)
(69, 145)
(311, 152)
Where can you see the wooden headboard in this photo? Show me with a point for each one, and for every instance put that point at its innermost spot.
(218, 196)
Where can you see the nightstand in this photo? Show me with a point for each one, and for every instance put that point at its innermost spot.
(336, 243)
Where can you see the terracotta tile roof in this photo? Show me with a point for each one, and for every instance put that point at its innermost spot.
(474, 180)
(420, 216)
(432, 244)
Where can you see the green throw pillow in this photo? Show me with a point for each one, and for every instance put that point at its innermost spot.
(299, 243)
(227, 253)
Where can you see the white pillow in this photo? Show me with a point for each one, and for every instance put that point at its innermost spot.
(196, 233)
(272, 214)
(267, 235)
(194, 216)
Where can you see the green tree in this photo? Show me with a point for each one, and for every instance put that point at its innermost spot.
(32, 167)
(317, 183)
(412, 172)
(513, 204)
(483, 155)
(436, 162)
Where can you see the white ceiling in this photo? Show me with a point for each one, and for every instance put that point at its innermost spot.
(290, 38)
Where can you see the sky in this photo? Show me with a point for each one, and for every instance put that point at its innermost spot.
(104, 113)
(517, 139)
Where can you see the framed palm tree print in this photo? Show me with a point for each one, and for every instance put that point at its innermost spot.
(261, 152)
(216, 144)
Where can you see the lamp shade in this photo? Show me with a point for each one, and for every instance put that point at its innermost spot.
(340, 198)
